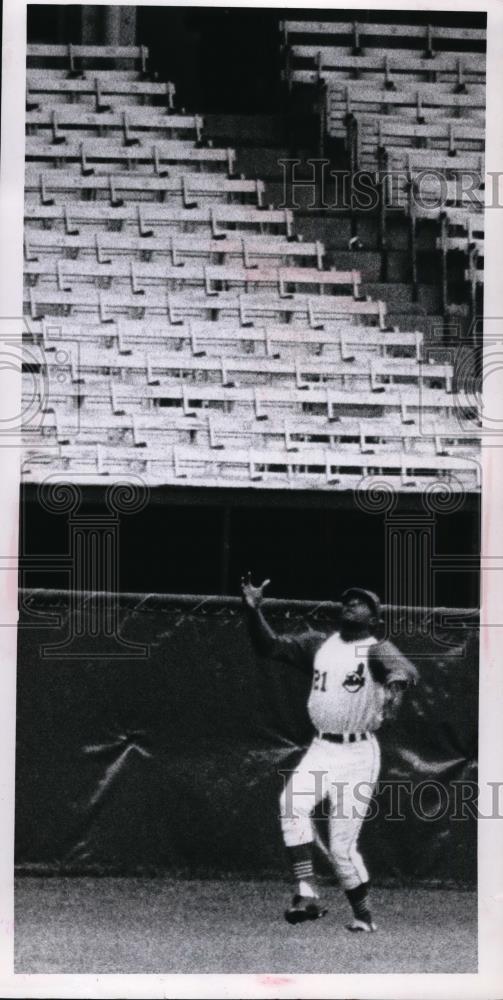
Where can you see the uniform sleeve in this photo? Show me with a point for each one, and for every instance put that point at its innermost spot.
(390, 666)
(297, 650)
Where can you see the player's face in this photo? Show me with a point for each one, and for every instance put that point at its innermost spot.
(356, 611)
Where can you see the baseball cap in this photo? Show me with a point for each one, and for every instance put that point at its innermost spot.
(368, 595)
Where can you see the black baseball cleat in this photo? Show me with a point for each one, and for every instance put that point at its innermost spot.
(305, 908)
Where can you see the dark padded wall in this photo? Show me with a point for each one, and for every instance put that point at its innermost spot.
(137, 763)
(311, 544)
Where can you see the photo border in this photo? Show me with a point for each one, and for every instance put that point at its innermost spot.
(488, 983)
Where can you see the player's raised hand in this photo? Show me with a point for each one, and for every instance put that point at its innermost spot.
(252, 596)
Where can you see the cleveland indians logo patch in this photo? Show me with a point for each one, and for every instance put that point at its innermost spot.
(355, 679)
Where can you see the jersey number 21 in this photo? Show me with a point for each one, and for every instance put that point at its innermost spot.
(320, 681)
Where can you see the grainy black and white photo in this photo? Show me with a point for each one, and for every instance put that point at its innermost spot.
(249, 549)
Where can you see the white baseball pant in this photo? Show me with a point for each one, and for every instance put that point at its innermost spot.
(343, 775)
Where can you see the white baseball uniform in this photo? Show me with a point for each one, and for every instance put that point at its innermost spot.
(347, 698)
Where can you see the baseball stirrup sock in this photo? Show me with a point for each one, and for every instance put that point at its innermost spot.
(302, 868)
(360, 902)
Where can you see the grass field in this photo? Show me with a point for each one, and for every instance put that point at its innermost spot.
(165, 925)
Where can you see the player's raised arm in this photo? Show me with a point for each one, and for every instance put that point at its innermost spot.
(295, 649)
(261, 634)
(252, 596)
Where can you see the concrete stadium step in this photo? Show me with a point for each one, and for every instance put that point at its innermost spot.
(335, 228)
(393, 293)
(429, 267)
(334, 231)
(247, 130)
(431, 325)
(398, 295)
(367, 228)
(429, 297)
(427, 234)
(263, 162)
(279, 191)
(398, 265)
(368, 262)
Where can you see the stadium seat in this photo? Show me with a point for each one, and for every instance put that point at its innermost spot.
(72, 56)
(334, 65)
(368, 135)
(264, 402)
(133, 125)
(250, 251)
(471, 235)
(109, 154)
(137, 277)
(41, 73)
(98, 91)
(343, 341)
(213, 430)
(146, 219)
(419, 102)
(178, 307)
(88, 363)
(117, 189)
(320, 468)
(316, 50)
(429, 38)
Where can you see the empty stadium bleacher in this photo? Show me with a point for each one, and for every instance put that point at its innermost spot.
(137, 277)
(119, 188)
(184, 328)
(101, 91)
(340, 340)
(428, 52)
(208, 429)
(178, 249)
(418, 102)
(178, 307)
(463, 234)
(88, 154)
(368, 135)
(72, 56)
(334, 65)
(90, 364)
(147, 218)
(358, 34)
(269, 467)
(132, 124)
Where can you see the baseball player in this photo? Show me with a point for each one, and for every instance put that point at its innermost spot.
(356, 681)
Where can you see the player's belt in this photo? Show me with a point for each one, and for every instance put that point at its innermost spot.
(343, 737)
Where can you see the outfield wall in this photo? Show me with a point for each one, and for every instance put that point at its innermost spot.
(165, 755)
